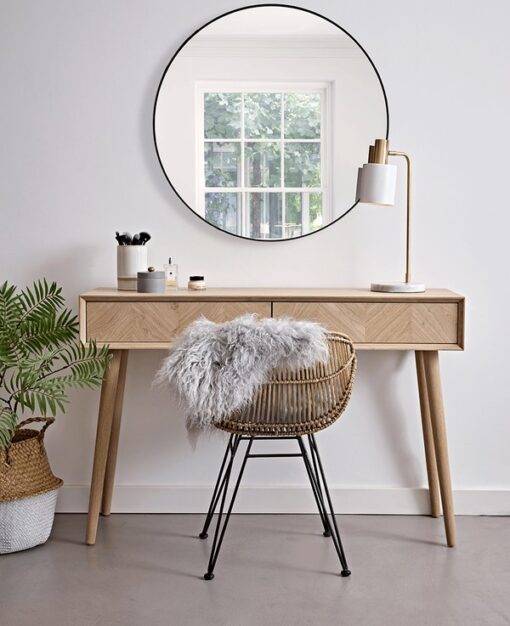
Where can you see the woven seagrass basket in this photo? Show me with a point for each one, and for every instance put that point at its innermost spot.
(28, 489)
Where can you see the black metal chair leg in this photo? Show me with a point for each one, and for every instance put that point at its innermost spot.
(218, 536)
(217, 489)
(327, 532)
(335, 533)
(223, 493)
(314, 482)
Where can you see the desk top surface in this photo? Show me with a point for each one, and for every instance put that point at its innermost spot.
(265, 294)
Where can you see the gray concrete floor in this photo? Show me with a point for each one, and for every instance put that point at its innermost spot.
(146, 570)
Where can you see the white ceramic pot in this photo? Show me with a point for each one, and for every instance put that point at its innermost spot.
(130, 261)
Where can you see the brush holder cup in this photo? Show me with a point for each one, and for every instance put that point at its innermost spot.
(130, 261)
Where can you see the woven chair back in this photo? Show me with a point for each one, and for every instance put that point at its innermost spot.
(300, 402)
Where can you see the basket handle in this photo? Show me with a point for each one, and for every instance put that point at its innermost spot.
(48, 421)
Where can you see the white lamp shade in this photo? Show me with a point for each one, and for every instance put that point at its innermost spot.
(358, 183)
(377, 183)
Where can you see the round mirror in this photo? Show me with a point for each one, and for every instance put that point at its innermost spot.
(262, 119)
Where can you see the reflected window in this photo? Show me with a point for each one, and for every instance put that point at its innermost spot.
(262, 159)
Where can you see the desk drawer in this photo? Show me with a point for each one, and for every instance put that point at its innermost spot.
(157, 322)
(381, 322)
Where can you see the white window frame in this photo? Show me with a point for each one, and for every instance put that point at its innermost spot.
(324, 89)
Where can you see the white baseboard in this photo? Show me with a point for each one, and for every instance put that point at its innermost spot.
(284, 499)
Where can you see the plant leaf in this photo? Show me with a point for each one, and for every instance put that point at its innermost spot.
(40, 357)
(41, 301)
(8, 421)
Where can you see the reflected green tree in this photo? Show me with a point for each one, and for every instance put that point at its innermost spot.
(302, 116)
(262, 115)
(222, 115)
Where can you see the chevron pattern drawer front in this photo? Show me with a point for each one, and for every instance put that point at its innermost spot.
(393, 323)
(158, 322)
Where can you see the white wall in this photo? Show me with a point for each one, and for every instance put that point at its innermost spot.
(77, 162)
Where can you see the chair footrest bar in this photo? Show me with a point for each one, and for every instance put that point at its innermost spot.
(270, 456)
(268, 438)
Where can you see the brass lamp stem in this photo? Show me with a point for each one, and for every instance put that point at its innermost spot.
(408, 227)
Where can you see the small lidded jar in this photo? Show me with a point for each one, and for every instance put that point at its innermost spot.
(196, 283)
(150, 281)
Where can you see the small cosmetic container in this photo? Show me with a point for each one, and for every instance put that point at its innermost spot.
(170, 274)
(196, 283)
(150, 282)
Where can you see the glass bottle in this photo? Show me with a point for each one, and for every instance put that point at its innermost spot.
(170, 274)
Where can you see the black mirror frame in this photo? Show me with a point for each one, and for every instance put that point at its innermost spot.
(254, 6)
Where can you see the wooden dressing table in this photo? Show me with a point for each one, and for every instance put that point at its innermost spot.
(422, 322)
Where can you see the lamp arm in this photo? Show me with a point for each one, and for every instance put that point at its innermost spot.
(408, 212)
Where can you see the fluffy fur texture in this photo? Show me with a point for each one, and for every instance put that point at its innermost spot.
(217, 369)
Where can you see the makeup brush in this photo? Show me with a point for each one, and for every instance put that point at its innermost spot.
(144, 237)
(124, 239)
(138, 239)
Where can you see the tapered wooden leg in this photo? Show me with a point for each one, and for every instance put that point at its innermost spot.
(433, 378)
(428, 437)
(104, 427)
(111, 462)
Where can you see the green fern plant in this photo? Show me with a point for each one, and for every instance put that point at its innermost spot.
(40, 355)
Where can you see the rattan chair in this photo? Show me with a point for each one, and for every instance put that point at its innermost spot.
(291, 405)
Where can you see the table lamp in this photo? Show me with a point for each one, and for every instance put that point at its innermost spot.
(377, 181)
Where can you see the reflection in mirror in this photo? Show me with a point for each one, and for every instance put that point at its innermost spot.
(262, 119)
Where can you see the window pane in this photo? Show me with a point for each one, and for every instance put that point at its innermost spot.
(222, 164)
(302, 116)
(302, 164)
(303, 212)
(265, 215)
(262, 115)
(262, 164)
(315, 211)
(223, 210)
(293, 214)
(222, 115)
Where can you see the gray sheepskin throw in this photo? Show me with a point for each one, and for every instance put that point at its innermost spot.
(217, 369)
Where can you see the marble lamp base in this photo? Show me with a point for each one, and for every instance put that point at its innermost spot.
(398, 287)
